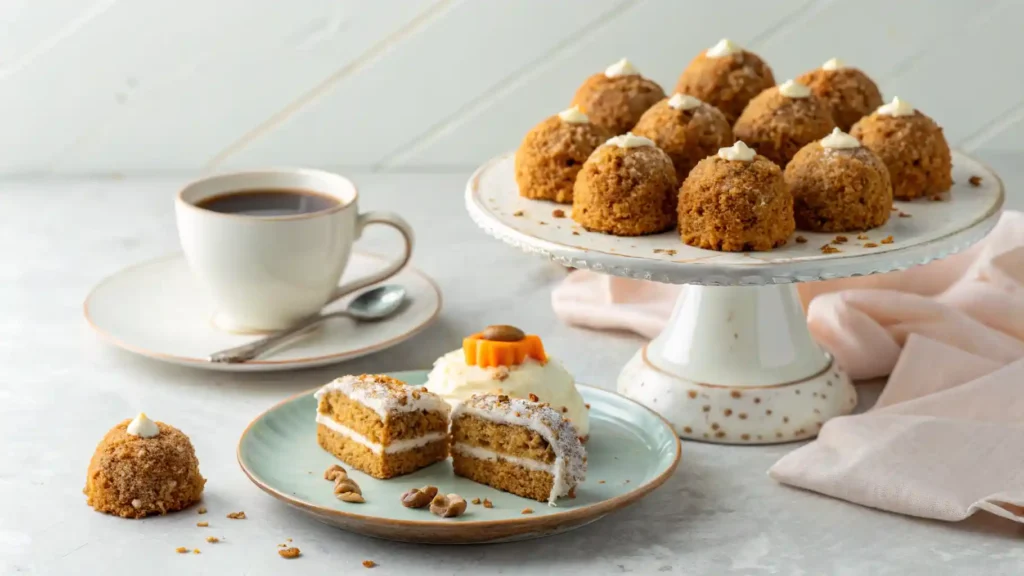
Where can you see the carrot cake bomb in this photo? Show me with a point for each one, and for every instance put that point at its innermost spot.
(727, 77)
(381, 425)
(911, 145)
(687, 129)
(617, 97)
(553, 153)
(735, 201)
(782, 120)
(850, 93)
(628, 187)
(838, 186)
(142, 467)
(505, 360)
(519, 446)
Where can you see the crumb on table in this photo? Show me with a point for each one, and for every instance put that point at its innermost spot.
(801, 240)
(181, 550)
(488, 504)
(558, 213)
(289, 552)
(974, 181)
(527, 511)
(518, 213)
(195, 551)
(202, 524)
(840, 240)
(829, 249)
(887, 240)
(475, 500)
(905, 215)
(237, 515)
(212, 539)
(870, 245)
(575, 233)
(600, 481)
(369, 563)
(202, 510)
(862, 236)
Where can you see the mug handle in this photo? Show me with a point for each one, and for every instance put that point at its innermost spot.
(390, 219)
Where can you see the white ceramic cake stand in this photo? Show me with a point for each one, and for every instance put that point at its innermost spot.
(736, 362)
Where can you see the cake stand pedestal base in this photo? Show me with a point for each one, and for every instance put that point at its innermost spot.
(737, 365)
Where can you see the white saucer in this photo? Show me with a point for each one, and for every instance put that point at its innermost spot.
(157, 310)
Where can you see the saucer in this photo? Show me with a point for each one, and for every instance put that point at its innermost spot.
(157, 309)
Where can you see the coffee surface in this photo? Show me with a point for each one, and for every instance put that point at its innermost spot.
(268, 202)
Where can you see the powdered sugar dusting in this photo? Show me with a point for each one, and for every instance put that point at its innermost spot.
(385, 395)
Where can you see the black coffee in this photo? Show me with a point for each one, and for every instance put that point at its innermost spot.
(268, 202)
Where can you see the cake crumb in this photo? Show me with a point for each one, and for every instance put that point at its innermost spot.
(289, 553)
(887, 240)
(195, 551)
(665, 251)
(870, 245)
(527, 511)
(369, 563)
(517, 213)
(974, 181)
(488, 504)
(894, 208)
(181, 550)
(287, 539)
(475, 500)
(212, 539)
(533, 397)
(840, 240)
(202, 524)
(600, 481)
(905, 215)
(542, 223)
(801, 240)
(237, 515)
(862, 236)
(829, 249)
(575, 233)
(587, 405)
(282, 545)
(558, 213)
(202, 510)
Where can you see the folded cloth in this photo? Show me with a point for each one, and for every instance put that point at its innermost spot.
(944, 438)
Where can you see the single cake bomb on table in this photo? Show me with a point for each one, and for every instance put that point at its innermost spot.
(782, 120)
(735, 201)
(850, 93)
(628, 187)
(553, 153)
(687, 129)
(838, 186)
(617, 97)
(912, 147)
(142, 467)
(727, 77)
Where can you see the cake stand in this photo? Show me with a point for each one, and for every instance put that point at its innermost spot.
(736, 363)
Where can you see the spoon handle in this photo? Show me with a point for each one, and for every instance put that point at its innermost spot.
(253, 350)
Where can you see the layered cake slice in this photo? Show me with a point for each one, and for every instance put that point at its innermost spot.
(519, 446)
(380, 425)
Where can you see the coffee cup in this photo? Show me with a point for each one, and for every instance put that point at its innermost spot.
(269, 247)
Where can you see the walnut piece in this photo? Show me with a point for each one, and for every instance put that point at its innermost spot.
(236, 515)
(351, 498)
(448, 506)
(346, 484)
(289, 552)
(335, 472)
(419, 497)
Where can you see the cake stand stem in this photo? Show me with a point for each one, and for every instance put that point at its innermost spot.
(738, 365)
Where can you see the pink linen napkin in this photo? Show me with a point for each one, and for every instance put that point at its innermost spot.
(945, 438)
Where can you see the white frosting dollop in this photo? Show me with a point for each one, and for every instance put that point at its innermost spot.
(573, 116)
(621, 68)
(725, 47)
(896, 108)
(629, 140)
(791, 89)
(684, 102)
(143, 427)
(839, 140)
(456, 381)
(833, 64)
(739, 152)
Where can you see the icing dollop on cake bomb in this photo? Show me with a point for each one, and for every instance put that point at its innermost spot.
(838, 186)
(686, 128)
(911, 145)
(727, 77)
(142, 467)
(505, 360)
(735, 201)
(617, 97)
(553, 153)
(628, 187)
(782, 120)
(850, 93)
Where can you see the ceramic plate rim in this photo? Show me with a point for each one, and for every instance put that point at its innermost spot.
(582, 514)
(256, 364)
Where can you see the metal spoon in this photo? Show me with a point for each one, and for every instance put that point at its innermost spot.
(370, 306)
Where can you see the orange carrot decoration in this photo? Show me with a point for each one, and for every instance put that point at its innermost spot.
(502, 346)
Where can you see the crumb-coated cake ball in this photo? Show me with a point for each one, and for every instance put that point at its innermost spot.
(911, 145)
(782, 120)
(735, 201)
(553, 152)
(850, 94)
(687, 129)
(142, 467)
(838, 186)
(628, 187)
(617, 97)
(727, 77)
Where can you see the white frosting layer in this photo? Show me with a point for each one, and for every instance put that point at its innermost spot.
(382, 400)
(896, 108)
(485, 454)
(143, 427)
(725, 47)
(839, 140)
(573, 116)
(396, 446)
(791, 89)
(683, 102)
(629, 140)
(621, 68)
(738, 152)
(456, 381)
(833, 64)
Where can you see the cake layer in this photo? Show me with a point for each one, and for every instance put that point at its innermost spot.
(369, 424)
(504, 475)
(502, 438)
(390, 448)
(380, 464)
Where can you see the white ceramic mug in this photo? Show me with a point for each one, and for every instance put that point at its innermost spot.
(267, 273)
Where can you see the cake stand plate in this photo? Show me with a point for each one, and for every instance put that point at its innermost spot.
(736, 363)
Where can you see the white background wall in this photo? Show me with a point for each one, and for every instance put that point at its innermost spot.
(125, 86)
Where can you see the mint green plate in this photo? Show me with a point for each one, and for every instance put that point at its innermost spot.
(631, 451)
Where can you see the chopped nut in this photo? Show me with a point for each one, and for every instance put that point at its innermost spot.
(587, 405)
(289, 552)
(862, 236)
(840, 240)
(212, 539)
(369, 563)
(419, 497)
(565, 409)
(236, 515)
(448, 506)
(558, 213)
(974, 181)
(600, 481)
(527, 511)
(829, 249)
(870, 245)
(517, 213)
(488, 503)
(196, 551)
(534, 398)
(345, 485)
(181, 550)
(665, 251)
(887, 240)
(334, 473)
(475, 500)
(351, 497)
(202, 510)
(575, 233)
(801, 240)
(202, 524)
